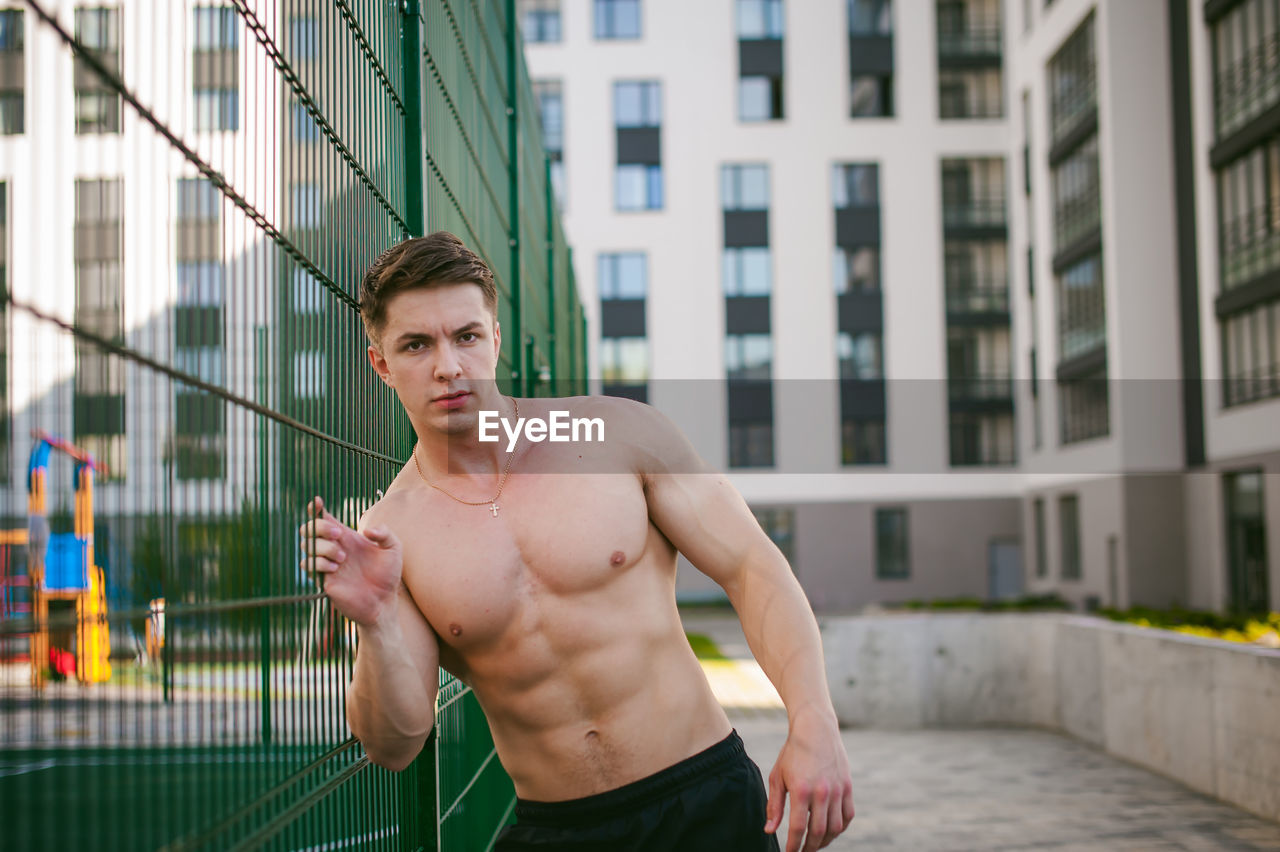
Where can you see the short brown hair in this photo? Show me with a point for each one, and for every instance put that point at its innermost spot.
(438, 258)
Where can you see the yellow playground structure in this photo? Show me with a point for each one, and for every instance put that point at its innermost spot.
(62, 591)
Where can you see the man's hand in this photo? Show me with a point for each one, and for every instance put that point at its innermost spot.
(813, 768)
(361, 570)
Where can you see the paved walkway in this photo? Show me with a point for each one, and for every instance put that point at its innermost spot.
(988, 788)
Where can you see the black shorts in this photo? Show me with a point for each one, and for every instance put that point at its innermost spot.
(712, 801)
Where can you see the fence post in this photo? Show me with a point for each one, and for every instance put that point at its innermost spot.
(410, 65)
(551, 277)
(519, 377)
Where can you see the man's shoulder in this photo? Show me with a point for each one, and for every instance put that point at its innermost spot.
(389, 503)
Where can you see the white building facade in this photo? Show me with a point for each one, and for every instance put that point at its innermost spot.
(915, 274)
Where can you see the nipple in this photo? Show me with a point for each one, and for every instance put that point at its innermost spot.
(617, 558)
(455, 629)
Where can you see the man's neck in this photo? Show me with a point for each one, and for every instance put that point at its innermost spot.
(441, 454)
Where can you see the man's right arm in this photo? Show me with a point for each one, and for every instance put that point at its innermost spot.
(392, 696)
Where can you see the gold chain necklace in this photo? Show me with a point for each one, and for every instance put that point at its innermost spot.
(493, 501)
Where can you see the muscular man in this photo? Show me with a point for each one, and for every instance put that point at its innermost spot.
(544, 578)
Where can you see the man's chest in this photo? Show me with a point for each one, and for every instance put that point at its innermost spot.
(556, 538)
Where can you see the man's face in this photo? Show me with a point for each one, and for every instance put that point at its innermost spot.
(439, 351)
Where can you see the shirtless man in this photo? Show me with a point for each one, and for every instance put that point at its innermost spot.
(544, 579)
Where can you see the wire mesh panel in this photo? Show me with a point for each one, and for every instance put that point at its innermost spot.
(185, 215)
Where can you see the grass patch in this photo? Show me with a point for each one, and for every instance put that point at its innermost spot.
(703, 647)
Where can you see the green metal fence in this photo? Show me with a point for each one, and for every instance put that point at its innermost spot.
(180, 278)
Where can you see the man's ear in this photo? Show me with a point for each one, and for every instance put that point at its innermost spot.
(379, 365)
(497, 339)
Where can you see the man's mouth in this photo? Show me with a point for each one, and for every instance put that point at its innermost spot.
(452, 400)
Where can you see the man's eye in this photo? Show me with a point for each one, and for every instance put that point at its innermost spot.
(415, 346)
(467, 337)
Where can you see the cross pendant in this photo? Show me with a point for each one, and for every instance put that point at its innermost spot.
(493, 509)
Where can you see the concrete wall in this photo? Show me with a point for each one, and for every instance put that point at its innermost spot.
(1197, 710)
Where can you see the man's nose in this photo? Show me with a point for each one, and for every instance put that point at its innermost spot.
(448, 366)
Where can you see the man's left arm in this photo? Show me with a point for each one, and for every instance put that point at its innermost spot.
(707, 520)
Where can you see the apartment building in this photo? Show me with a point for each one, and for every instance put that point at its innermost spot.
(970, 298)
(108, 225)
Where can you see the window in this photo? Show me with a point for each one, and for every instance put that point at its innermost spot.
(1249, 215)
(550, 97)
(1246, 534)
(747, 271)
(6, 426)
(857, 269)
(304, 38)
(623, 276)
(1082, 319)
(624, 360)
(862, 442)
(199, 282)
(198, 200)
(1251, 353)
(622, 281)
(97, 107)
(215, 87)
(98, 29)
(1246, 64)
(751, 443)
(308, 375)
(870, 17)
(856, 185)
(217, 109)
(304, 127)
(780, 526)
(975, 93)
(744, 187)
(760, 32)
(870, 96)
(860, 355)
(748, 357)
(893, 561)
(216, 28)
(304, 205)
(617, 19)
(12, 84)
(638, 187)
(1072, 90)
(1042, 561)
(637, 104)
(540, 20)
(760, 19)
(309, 293)
(1069, 523)
(1077, 195)
(550, 113)
(1084, 408)
(759, 98)
(11, 34)
(98, 407)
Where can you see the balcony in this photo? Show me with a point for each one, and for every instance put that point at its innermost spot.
(980, 393)
(1251, 248)
(974, 43)
(970, 296)
(978, 218)
(1245, 90)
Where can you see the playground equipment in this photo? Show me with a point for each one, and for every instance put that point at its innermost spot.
(67, 590)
